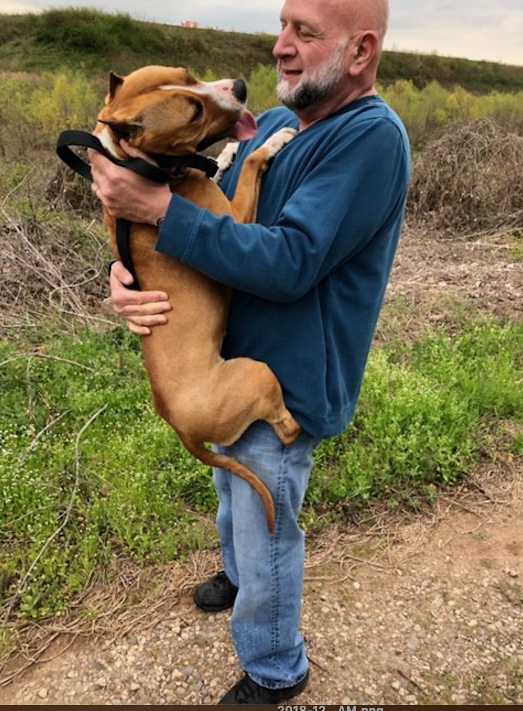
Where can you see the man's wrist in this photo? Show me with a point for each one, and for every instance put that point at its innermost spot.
(159, 222)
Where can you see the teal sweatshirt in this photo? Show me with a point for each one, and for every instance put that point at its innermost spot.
(310, 276)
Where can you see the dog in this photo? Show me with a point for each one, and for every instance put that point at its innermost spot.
(205, 399)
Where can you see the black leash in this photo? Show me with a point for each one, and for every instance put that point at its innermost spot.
(158, 174)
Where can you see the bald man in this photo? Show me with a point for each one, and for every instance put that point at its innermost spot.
(308, 282)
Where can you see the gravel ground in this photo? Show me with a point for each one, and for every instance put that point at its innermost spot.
(424, 612)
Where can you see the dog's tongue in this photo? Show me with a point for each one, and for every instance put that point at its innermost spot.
(245, 128)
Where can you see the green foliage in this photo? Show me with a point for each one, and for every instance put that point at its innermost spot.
(89, 31)
(96, 42)
(517, 248)
(127, 480)
(429, 111)
(34, 109)
(262, 83)
(476, 76)
(65, 101)
(427, 411)
(15, 130)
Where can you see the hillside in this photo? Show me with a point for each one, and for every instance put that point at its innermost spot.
(94, 42)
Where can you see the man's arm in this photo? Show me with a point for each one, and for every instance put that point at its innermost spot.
(335, 208)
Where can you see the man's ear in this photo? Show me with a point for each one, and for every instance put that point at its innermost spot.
(364, 51)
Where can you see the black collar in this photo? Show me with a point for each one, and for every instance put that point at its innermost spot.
(158, 174)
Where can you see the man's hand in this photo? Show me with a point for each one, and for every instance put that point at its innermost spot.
(141, 309)
(126, 194)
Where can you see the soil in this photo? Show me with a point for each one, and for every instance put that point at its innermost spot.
(414, 609)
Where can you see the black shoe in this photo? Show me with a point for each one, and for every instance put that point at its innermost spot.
(249, 692)
(216, 594)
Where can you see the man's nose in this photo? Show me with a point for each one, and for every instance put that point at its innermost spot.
(284, 45)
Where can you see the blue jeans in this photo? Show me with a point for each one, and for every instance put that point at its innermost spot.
(267, 569)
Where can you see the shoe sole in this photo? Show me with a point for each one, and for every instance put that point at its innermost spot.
(213, 608)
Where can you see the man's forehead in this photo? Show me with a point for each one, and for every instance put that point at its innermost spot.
(315, 12)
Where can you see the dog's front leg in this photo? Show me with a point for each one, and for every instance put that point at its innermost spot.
(245, 201)
(226, 159)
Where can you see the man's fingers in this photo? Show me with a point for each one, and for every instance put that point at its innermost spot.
(141, 308)
(136, 152)
(139, 330)
(146, 311)
(142, 325)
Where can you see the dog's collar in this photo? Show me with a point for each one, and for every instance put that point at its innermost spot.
(159, 174)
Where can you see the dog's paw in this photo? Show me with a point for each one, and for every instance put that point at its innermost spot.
(276, 142)
(226, 159)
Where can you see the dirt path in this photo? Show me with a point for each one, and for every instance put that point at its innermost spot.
(423, 611)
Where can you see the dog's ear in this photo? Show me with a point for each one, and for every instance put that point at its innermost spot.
(114, 82)
(123, 129)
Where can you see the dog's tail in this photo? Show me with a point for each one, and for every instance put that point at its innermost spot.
(223, 461)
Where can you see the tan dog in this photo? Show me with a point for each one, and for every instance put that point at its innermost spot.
(203, 397)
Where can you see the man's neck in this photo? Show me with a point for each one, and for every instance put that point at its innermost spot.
(316, 113)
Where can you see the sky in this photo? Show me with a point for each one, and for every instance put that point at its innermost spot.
(474, 29)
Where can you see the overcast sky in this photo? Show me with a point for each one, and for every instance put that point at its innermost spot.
(476, 29)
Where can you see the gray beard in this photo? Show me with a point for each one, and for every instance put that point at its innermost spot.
(306, 94)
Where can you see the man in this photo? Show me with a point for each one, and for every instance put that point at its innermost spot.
(309, 279)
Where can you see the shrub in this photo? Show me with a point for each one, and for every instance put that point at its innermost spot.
(428, 112)
(470, 179)
(63, 101)
(94, 32)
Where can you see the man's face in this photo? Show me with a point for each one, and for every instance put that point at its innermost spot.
(313, 86)
(311, 52)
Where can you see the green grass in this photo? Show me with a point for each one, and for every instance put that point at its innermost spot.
(130, 486)
(88, 472)
(429, 410)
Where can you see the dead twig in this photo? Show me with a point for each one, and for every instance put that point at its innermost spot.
(45, 356)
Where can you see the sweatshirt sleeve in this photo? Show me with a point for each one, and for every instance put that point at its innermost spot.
(334, 210)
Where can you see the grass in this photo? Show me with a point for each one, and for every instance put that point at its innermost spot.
(130, 486)
(80, 443)
(429, 409)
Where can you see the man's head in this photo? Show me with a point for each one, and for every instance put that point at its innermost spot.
(328, 53)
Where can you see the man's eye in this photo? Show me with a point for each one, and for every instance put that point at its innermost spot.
(304, 34)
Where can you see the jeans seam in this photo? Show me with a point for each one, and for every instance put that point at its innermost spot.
(275, 544)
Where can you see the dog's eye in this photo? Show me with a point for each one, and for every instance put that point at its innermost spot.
(198, 111)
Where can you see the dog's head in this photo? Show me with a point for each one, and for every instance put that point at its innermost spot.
(166, 110)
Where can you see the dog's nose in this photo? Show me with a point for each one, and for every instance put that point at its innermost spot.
(239, 90)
